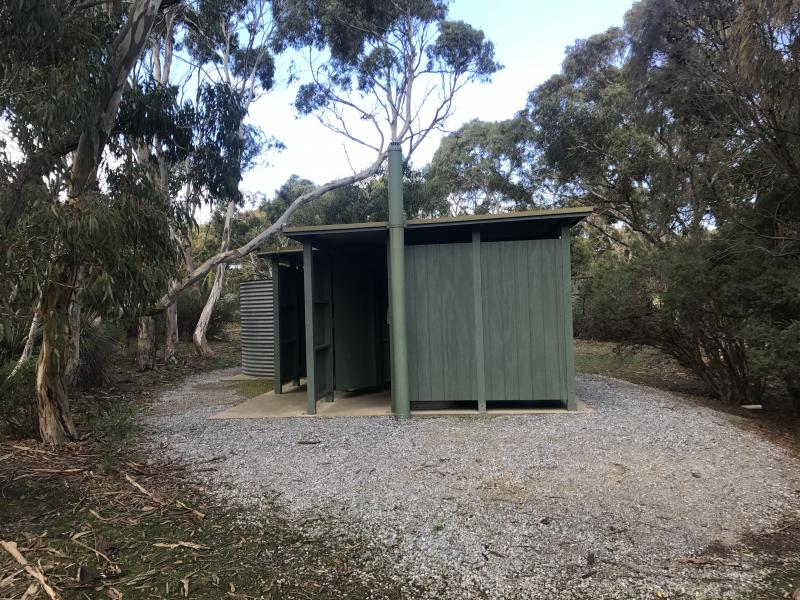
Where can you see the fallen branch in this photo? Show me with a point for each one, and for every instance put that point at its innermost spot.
(194, 511)
(97, 552)
(11, 548)
(134, 483)
(235, 254)
(191, 545)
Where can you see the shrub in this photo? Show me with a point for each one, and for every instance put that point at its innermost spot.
(730, 316)
(190, 304)
(12, 339)
(98, 340)
(114, 423)
(17, 400)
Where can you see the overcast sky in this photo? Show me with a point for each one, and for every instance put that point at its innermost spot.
(529, 36)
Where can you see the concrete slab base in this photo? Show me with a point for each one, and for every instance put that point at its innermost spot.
(292, 403)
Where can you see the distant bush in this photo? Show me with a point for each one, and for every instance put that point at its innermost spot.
(17, 400)
(114, 423)
(729, 317)
(12, 339)
(98, 340)
(190, 304)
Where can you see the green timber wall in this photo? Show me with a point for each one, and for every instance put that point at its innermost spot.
(490, 321)
(441, 332)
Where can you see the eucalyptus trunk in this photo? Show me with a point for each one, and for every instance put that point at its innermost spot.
(56, 425)
(171, 335)
(199, 337)
(146, 344)
(55, 420)
(74, 353)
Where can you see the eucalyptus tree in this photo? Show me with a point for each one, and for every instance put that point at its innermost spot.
(593, 139)
(231, 42)
(378, 72)
(482, 167)
(732, 67)
(74, 225)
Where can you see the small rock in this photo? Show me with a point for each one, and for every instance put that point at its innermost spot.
(546, 521)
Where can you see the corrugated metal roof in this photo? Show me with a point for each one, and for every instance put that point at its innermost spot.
(551, 214)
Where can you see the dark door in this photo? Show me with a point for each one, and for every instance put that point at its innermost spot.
(291, 322)
(354, 327)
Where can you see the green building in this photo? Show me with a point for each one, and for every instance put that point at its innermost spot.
(474, 308)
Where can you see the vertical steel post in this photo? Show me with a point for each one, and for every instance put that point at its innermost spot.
(277, 385)
(308, 292)
(397, 284)
(477, 286)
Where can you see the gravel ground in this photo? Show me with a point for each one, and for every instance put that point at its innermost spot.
(603, 504)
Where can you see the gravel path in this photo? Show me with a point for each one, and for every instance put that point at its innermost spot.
(606, 504)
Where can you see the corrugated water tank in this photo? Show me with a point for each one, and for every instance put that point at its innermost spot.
(257, 319)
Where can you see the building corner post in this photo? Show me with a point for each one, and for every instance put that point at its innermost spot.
(569, 342)
(397, 284)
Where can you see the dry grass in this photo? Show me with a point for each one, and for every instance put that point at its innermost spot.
(642, 365)
(143, 529)
(101, 519)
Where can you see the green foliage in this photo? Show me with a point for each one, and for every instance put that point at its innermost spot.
(346, 28)
(114, 423)
(190, 304)
(681, 301)
(97, 342)
(17, 400)
(461, 48)
(12, 339)
(481, 168)
(225, 147)
(727, 306)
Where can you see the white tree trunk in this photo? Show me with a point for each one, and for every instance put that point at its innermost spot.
(27, 351)
(74, 351)
(146, 344)
(171, 335)
(199, 337)
(74, 354)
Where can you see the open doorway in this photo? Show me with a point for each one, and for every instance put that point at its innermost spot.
(360, 320)
(336, 340)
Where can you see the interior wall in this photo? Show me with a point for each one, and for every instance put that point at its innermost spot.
(360, 328)
(290, 319)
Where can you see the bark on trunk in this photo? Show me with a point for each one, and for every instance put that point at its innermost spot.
(55, 420)
(171, 335)
(146, 344)
(74, 352)
(199, 337)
